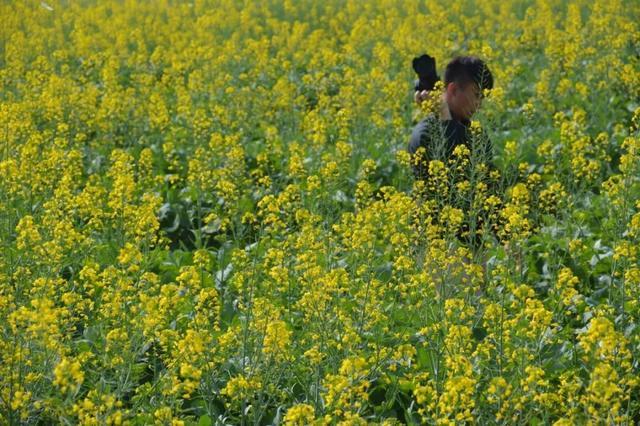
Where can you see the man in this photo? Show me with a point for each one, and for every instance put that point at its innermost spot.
(465, 79)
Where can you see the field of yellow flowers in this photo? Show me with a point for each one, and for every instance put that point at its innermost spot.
(208, 215)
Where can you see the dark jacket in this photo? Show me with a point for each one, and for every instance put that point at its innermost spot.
(440, 137)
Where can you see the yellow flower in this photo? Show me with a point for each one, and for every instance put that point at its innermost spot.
(348, 389)
(130, 256)
(27, 233)
(510, 149)
(240, 388)
(566, 287)
(68, 375)
(452, 218)
(299, 415)
(276, 339)
(403, 158)
(314, 355)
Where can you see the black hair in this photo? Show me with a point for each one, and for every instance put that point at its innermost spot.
(466, 69)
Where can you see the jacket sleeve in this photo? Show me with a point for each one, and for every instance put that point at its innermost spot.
(419, 138)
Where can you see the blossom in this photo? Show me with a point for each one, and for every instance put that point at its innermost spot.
(68, 375)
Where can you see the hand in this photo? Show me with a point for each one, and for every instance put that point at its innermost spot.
(421, 96)
(445, 113)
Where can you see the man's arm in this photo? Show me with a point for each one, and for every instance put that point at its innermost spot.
(419, 158)
(432, 136)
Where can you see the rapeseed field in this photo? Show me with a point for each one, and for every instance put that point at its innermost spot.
(208, 215)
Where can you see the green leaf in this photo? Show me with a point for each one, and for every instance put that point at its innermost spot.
(205, 421)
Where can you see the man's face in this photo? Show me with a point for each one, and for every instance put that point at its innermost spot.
(464, 100)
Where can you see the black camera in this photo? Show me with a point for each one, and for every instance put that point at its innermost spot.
(425, 67)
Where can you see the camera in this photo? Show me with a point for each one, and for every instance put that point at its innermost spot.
(425, 67)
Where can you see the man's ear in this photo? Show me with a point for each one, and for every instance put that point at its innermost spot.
(452, 88)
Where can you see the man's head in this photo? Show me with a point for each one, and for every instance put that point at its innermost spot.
(465, 79)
